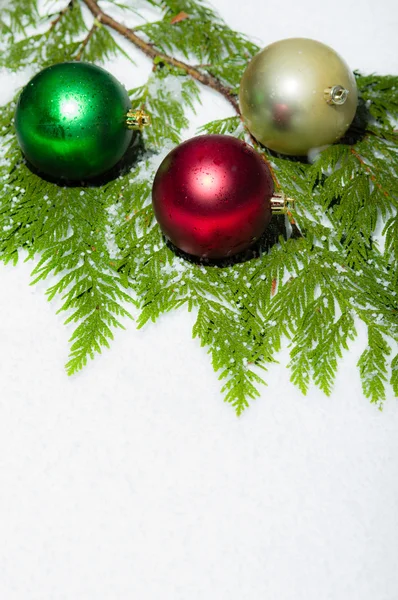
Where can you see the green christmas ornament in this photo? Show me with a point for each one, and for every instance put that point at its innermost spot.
(73, 120)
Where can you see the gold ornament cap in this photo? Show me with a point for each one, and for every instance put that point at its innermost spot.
(336, 94)
(137, 119)
(280, 204)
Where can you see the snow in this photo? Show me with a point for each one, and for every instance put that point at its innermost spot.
(134, 480)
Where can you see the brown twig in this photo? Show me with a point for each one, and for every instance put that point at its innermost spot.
(96, 25)
(151, 52)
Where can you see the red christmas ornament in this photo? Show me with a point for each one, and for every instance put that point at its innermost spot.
(211, 196)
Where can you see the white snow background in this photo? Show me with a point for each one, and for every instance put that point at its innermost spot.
(133, 480)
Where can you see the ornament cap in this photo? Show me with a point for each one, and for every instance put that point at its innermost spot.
(336, 94)
(280, 204)
(137, 119)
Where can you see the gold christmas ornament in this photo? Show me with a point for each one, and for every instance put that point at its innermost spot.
(297, 94)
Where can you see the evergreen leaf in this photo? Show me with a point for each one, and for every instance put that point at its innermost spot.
(165, 96)
(394, 374)
(373, 366)
(381, 98)
(228, 126)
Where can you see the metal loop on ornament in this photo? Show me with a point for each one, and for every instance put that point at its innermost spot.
(280, 204)
(336, 94)
(137, 119)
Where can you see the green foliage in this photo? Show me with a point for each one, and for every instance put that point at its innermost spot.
(211, 42)
(394, 374)
(199, 10)
(63, 38)
(391, 243)
(379, 95)
(373, 365)
(228, 126)
(67, 228)
(201, 37)
(313, 282)
(101, 46)
(166, 96)
(15, 17)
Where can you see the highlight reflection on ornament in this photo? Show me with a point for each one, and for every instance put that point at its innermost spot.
(69, 108)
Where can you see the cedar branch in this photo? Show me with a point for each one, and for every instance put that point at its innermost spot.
(150, 51)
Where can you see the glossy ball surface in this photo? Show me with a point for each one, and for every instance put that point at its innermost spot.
(70, 121)
(282, 96)
(211, 196)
